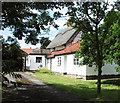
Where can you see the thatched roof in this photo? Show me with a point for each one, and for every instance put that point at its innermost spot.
(62, 37)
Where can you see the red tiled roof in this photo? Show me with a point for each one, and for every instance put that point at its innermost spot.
(70, 49)
(28, 51)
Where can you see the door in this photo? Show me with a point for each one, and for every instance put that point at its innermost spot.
(50, 64)
(65, 64)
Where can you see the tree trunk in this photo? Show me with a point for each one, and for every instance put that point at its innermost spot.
(99, 80)
(99, 63)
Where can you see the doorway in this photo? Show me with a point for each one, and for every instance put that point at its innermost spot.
(65, 64)
(50, 64)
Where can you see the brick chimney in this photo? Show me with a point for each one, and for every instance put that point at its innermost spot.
(41, 50)
(68, 25)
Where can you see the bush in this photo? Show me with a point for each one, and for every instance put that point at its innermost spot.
(9, 65)
(46, 71)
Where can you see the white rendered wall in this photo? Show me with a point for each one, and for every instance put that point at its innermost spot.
(28, 60)
(74, 69)
(56, 67)
(48, 64)
(33, 64)
(67, 65)
(107, 69)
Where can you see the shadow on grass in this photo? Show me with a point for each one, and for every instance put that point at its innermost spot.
(46, 93)
(114, 82)
(90, 94)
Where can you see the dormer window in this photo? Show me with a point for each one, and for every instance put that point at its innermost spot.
(53, 50)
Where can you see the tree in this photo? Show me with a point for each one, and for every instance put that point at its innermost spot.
(11, 56)
(114, 32)
(44, 42)
(23, 22)
(95, 48)
(112, 39)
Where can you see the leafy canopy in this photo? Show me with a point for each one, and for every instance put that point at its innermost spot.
(21, 19)
(11, 55)
(100, 34)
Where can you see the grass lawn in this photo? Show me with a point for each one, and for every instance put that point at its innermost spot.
(84, 89)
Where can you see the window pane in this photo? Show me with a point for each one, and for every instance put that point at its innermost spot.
(38, 59)
(59, 60)
(76, 61)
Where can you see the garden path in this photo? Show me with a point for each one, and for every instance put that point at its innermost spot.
(37, 91)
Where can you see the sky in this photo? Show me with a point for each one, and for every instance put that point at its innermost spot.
(53, 31)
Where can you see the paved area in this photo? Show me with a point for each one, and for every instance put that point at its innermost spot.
(37, 91)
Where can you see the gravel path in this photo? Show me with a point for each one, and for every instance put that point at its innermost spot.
(37, 92)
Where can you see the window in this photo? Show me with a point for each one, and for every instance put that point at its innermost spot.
(76, 61)
(38, 59)
(59, 61)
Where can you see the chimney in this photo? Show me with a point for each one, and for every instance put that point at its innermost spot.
(41, 50)
(68, 25)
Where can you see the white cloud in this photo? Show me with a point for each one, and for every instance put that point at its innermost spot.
(24, 45)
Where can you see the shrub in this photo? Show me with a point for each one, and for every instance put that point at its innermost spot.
(46, 71)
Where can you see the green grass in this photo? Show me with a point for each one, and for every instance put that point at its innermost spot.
(45, 71)
(84, 89)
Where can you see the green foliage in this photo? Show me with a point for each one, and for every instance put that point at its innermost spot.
(10, 65)
(112, 40)
(100, 41)
(44, 42)
(11, 56)
(23, 22)
(44, 71)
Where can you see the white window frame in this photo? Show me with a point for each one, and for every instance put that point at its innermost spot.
(76, 61)
(39, 61)
(59, 61)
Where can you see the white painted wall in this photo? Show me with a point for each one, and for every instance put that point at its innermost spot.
(107, 69)
(48, 64)
(91, 70)
(32, 62)
(28, 60)
(55, 66)
(74, 69)
(67, 65)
